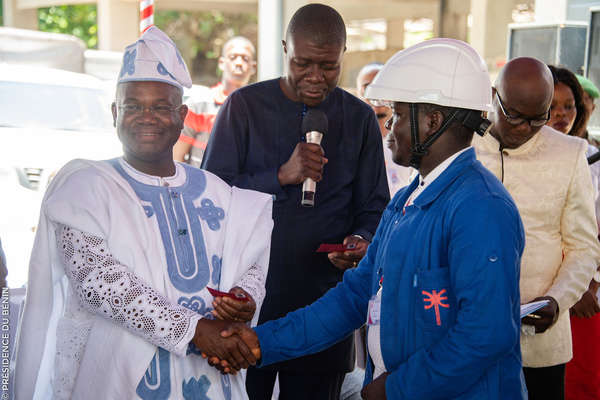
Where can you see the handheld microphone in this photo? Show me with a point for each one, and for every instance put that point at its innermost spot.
(314, 125)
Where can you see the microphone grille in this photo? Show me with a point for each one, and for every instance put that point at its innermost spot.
(314, 120)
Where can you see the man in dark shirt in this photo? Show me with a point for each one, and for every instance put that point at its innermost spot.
(257, 143)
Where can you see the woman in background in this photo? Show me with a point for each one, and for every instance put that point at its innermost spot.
(567, 112)
(569, 115)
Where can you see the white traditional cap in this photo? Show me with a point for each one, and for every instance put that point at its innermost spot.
(154, 57)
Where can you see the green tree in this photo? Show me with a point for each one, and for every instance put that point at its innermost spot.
(79, 20)
(200, 35)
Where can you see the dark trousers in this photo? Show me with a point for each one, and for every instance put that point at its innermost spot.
(547, 383)
(294, 385)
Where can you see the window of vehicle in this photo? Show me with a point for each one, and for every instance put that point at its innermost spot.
(31, 105)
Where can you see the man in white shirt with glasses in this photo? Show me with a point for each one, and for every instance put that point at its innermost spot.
(547, 175)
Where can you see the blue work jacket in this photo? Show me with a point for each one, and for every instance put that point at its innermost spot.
(450, 303)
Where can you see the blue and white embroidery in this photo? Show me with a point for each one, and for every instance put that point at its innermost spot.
(156, 382)
(196, 389)
(149, 211)
(226, 384)
(163, 71)
(216, 272)
(181, 233)
(196, 304)
(179, 58)
(211, 214)
(128, 63)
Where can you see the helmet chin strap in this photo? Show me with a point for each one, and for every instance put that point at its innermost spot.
(417, 149)
(471, 119)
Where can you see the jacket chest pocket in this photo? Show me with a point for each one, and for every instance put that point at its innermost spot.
(435, 305)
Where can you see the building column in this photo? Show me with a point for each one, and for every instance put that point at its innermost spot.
(394, 36)
(454, 19)
(118, 24)
(15, 17)
(273, 18)
(270, 15)
(490, 29)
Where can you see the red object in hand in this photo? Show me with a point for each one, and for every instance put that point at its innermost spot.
(329, 248)
(218, 293)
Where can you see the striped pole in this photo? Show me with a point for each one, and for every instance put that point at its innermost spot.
(146, 14)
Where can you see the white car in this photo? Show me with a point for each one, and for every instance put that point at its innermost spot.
(47, 118)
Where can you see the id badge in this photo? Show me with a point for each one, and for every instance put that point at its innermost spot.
(374, 314)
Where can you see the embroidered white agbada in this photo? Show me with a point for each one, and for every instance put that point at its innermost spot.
(118, 279)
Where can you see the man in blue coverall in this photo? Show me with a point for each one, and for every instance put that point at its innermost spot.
(439, 285)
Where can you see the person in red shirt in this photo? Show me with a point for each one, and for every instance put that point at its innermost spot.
(238, 65)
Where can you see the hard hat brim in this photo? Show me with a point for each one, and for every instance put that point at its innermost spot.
(386, 96)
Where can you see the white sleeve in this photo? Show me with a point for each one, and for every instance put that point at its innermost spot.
(110, 289)
(253, 282)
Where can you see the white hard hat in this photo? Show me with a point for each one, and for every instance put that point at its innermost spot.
(446, 72)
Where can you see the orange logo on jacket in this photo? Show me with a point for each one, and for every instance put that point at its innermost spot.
(435, 300)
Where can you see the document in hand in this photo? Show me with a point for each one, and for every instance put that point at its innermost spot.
(532, 307)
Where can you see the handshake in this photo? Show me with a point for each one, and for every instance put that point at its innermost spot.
(229, 345)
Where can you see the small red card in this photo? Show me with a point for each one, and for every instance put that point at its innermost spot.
(329, 248)
(218, 293)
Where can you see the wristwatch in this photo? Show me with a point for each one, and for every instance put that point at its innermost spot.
(597, 276)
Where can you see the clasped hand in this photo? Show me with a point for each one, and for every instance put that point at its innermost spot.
(229, 345)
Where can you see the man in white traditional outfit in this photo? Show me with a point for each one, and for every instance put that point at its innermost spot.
(117, 304)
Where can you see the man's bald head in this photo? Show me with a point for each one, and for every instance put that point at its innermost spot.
(528, 80)
(523, 93)
(366, 75)
(241, 40)
(317, 23)
(237, 63)
(364, 79)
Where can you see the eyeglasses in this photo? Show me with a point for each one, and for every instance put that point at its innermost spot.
(534, 122)
(136, 109)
